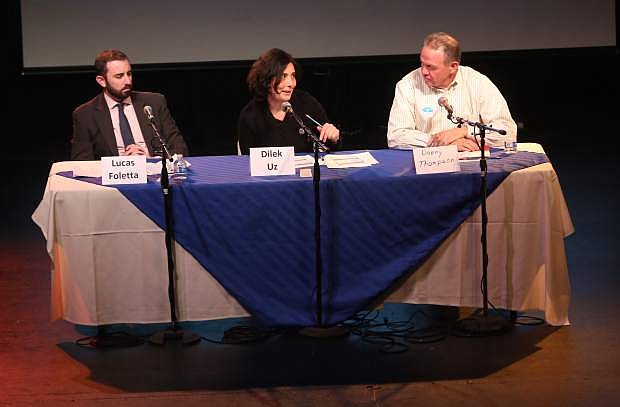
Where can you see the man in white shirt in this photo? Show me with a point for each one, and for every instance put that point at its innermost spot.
(417, 120)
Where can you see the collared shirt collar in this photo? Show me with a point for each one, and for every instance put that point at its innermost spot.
(454, 83)
(112, 103)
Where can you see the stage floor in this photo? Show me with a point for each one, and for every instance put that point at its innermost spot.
(531, 365)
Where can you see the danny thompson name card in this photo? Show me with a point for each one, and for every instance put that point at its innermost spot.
(433, 160)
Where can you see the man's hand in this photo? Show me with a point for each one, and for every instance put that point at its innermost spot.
(328, 132)
(134, 149)
(466, 144)
(447, 137)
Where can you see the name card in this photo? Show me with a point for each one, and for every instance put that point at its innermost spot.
(123, 170)
(268, 161)
(433, 160)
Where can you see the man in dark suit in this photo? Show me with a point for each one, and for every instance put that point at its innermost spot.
(114, 122)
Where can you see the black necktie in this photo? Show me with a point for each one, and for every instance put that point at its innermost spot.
(124, 125)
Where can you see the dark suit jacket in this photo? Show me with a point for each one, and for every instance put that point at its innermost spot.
(93, 135)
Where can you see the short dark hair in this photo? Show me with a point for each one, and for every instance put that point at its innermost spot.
(266, 68)
(106, 56)
(447, 43)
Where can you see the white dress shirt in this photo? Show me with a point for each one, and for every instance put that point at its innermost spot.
(130, 113)
(416, 114)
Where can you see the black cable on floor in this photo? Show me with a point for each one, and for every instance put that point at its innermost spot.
(395, 336)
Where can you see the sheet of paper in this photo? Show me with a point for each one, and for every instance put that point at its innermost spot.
(354, 160)
(302, 161)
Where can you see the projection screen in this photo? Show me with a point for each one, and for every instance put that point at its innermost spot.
(65, 33)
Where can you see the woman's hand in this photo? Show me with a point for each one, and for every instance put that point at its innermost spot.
(329, 132)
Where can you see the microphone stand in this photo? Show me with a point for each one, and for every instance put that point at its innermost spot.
(174, 333)
(318, 258)
(319, 330)
(317, 145)
(485, 324)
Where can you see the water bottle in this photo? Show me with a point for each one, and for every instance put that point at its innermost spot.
(510, 146)
(180, 168)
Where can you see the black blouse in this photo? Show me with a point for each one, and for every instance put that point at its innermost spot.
(258, 128)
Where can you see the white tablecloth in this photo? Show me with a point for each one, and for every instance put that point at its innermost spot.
(109, 259)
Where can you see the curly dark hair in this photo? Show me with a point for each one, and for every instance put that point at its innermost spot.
(106, 56)
(266, 68)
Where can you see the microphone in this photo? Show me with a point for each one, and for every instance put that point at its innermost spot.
(443, 102)
(148, 110)
(286, 107)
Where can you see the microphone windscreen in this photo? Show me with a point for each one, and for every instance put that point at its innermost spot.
(286, 106)
(148, 110)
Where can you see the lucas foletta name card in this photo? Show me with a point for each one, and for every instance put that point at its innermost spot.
(123, 170)
(433, 160)
(267, 161)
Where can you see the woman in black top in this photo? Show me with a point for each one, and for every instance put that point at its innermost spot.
(263, 123)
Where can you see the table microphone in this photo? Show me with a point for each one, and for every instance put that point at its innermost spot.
(286, 107)
(148, 110)
(443, 102)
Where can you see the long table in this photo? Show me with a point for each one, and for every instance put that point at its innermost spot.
(109, 258)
